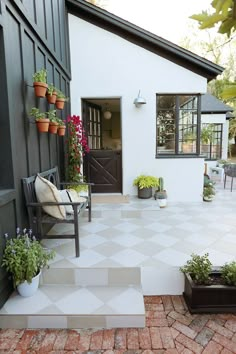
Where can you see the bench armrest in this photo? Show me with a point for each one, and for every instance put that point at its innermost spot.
(53, 204)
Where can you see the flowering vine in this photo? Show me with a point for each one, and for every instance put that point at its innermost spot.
(77, 147)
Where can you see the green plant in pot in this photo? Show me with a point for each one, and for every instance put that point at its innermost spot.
(61, 127)
(145, 184)
(41, 120)
(161, 194)
(61, 99)
(208, 191)
(23, 258)
(53, 125)
(208, 289)
(40, 82)
(51, 94)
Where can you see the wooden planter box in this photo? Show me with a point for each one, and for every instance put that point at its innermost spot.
(209, 298)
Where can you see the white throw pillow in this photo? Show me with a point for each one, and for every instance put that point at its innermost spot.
(47, 192)
(70, 195)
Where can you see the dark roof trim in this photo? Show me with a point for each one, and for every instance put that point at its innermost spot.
(143, 38)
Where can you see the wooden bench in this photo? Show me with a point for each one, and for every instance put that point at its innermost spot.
(37, 217)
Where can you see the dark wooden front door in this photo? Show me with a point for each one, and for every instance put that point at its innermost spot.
(101, 166)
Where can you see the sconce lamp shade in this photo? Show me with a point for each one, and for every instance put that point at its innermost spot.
(139, 101)
(107, 114)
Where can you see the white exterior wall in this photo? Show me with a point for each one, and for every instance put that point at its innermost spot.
(104, 65)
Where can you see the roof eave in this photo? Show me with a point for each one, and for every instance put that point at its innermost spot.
(143, 38)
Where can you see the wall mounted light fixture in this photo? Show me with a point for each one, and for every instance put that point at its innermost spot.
(139, 101)
(107, 113)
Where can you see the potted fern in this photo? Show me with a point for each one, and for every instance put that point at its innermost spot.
(40, 82)
(23, 258)
(145, 184)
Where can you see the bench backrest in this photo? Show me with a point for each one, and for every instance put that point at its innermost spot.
(51, 175)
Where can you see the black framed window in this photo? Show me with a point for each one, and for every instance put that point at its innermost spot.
(178, 124)
(211, 148)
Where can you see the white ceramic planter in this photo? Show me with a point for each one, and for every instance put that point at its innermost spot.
(28, 289)
(162, 203)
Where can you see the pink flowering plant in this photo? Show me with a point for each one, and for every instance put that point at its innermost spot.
(77, 147)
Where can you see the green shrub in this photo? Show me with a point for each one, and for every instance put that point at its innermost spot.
(24, 257)
(199, 267)
(144, 181)
(228, 273)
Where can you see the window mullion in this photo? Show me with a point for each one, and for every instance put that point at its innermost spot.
(177, 125)
(198, 125)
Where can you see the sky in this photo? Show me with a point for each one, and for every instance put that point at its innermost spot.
(166, 18)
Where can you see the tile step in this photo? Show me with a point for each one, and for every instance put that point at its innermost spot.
(74, 306)
(119, 276)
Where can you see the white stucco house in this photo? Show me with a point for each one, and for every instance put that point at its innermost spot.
(112, 61)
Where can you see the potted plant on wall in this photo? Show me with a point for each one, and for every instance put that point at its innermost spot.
(61, 99)
(145, 184)
(61, 130)
(24, 258)
(53, 124)
(41, 120)
(40, 83)
(51, 94)
(207, 289)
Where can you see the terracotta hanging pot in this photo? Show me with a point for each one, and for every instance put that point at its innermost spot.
(61, 130)
(52, 98)
(43, 125)
(60, 103)
(40, 89)
(53, 126)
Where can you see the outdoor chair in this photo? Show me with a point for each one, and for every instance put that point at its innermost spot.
(229, 170)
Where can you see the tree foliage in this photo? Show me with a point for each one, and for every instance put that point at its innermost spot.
(224, 15)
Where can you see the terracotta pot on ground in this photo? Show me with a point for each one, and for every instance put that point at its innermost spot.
(40, 89)
(53, 126)
(61, 130)
(43, 125)
(60, 103)
(52, 98)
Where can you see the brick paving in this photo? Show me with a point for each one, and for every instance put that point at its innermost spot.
(170, 329)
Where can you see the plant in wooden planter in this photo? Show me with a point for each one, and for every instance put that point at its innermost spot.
(61, 130)
(61, 99)
(40, 83)
(209, 290)
(53, 124)
(41, 119)
(145, 184)
(51, 94)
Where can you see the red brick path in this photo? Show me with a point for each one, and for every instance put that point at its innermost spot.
(170, 329)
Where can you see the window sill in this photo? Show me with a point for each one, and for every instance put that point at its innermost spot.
(180, 156)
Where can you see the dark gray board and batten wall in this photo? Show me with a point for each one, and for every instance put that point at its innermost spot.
(33, 34)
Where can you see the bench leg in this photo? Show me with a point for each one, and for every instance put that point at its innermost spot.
(232, 183)
(76, 232)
